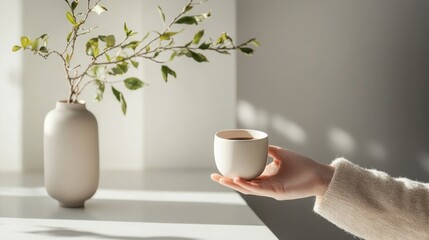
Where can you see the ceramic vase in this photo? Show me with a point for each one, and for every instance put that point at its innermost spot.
(71, 154)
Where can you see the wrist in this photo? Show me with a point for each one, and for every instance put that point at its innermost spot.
(325, 176)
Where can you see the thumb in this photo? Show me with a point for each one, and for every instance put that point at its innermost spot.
(274, 152)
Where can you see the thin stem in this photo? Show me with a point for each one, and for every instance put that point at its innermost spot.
(94, 80)
(136, 54)
(94, 59)
(166, 28)
(140, 53)
(157, 43)
(74, 85)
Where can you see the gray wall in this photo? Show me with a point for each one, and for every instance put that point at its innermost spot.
(336, 78)
(180, 116)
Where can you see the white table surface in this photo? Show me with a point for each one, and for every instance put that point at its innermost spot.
(158, 205)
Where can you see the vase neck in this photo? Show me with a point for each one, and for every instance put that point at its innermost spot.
(80, 105)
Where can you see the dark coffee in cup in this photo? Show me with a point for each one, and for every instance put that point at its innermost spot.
(241, 138)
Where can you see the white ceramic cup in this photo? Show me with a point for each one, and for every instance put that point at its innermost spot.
(241, 152)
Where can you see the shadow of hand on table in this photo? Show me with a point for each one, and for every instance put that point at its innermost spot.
(65, 232)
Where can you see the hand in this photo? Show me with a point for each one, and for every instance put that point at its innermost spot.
(288, 176)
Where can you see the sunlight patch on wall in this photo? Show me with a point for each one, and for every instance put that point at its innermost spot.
(11, 88)
(424, 161)
(246, 114)
(341, 141)
(376, 151)
(288, 129)
(250, 117)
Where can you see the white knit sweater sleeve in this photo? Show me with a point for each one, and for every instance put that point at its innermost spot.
(372, 205)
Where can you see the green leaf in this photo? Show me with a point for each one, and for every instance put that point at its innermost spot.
(224, 52)
(198, 57)
(15, 48)
(35, 44)
(121, 68)
(161, 14)
(110, 41)
(223, 38)
(89, 50)
(45, 42)
(101, 86)
(78, 24)
(204, 46)
(116, 93)
(189, 20)
(123, 104)
(247, 51)
(43, 49)
(74, 5)
(126, 29)
(254, 42)
(134, 63)
(173, 55)
(184, 52)
(120, 97)
(133, 83)
(145, 36)
(99, 9)
(108, 57)
(69, 36)
(92, 47)
(97, 72)
(167, 71)
(128, 32)
(67, 58)
(102, 38)
(25, 41)
(203, 17)
(167, 35)
(133, 45)
(198, 37)
(43, 36)
(100, 90)
(71, 18)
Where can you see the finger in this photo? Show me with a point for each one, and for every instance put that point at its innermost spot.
(257, 186)
(277, 153)
(271, 169)
(229, 183)
(274, 152)
(215, 177)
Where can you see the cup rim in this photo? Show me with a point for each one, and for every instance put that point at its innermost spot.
(256, 134)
